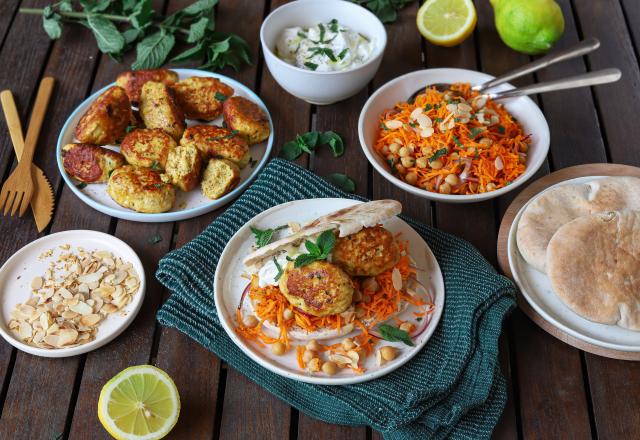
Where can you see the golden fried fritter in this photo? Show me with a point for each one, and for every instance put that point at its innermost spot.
(133, 80)
(219, 177)
(319, 289)
(368, 252)
(158, 109)
(90, 163)
(247, 118)
(106, 119)
(140, 189)
(202, 97)
(148, 147)
(183, 167)
(217, 142)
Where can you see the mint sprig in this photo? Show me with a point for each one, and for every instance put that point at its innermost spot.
(264, 236)
(319, 250)
(307, 142)
(394, 334)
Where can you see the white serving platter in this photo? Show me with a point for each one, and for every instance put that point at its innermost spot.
(229, 285)
(188, 204)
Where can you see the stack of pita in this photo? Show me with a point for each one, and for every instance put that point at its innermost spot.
(586, 238)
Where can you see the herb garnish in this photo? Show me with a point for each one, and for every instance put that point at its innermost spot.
(501, 129)
(457, 141)
(220, 97)
(155, 239)
(130, 128)
(342, 181)
(81, 185)
(439, 153)
(317, 50)
(343, 53)
(264, 236)
(333, 25)
(383, 126)
(158, 185)
(155, 166)
(252, 162)
(394, 334)
(476, 131)
(302, 34)
(319, 250)
(310, 65)
(306, 143)
(225, 136)
(279, 274)
(385, 10)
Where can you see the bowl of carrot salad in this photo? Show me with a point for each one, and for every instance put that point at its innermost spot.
(451, 143)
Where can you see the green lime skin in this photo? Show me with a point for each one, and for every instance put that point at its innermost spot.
(528, 26)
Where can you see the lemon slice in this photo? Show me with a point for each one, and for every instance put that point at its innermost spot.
(139, 403)
(446, 22)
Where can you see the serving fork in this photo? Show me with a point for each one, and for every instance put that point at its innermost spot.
(18, 189)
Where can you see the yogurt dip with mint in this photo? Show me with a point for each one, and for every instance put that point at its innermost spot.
(325, 47)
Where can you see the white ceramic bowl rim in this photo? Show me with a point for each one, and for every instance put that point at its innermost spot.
(378, 49)
(529, 172)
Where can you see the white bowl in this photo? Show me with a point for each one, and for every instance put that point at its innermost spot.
(322, 87)
(523, 109)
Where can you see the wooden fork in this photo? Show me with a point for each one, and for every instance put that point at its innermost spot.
(17, 190)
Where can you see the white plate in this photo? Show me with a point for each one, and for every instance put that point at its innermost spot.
(15, 285)
(229, 285)
(187, 205)
(536, 289)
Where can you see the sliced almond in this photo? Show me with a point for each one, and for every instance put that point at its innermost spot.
(37, 283)
(90, 320)
(81, 308)
(396, 279)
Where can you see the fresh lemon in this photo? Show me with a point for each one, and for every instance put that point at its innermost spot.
(528, 26)
(139, 403)
(446, 22)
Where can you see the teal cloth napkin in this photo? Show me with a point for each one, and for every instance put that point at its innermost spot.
(452, 389)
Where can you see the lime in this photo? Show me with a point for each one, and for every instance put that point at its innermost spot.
(528, 26)
(446, 22)
(139, 403)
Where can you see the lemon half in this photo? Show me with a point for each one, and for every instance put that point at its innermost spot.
(139, 403)
(446, 22)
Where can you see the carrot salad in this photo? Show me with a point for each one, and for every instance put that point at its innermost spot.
(453, 142)
(375, 301)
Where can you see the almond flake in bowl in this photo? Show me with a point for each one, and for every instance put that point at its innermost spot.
(73, 297)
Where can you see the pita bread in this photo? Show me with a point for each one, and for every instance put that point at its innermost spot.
(347, 221)
(562, 204)
(593, 263)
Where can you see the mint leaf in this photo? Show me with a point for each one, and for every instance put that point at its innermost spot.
(303, 260)
(342, 181)
(441, 152)
(264, 236)
(334, 141)
(326, 241)
(291, 150)
(51, 25)
(142, 14)
(197, 30)
(310, 65)
(220, 96)
(108, 37)
(394, 334)
(313, 248)
(190, 54)
(153, 50)
(280, 271)
(199, 6)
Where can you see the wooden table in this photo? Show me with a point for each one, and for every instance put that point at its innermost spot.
(555, 391)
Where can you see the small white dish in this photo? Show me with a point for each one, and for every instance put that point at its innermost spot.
(322, 88)
(523, 109)
(18, 271)
(188, 204)
(229, 285)
(536, 289)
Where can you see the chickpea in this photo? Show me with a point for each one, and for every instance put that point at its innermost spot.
(422, 162)
(427, 151)
(411, 178)
(522, 158)
(454, 156)
(445, 188)
(314, 365)
(524, 147)
(278, 348)
(412, 147)
(348, 344)
(407, 327)
(287, 314)
(404, 152)
(400, 169)
(391, 158)
(330, 368)
(251, 321)
(394, 148)
(385, 150)
(388, 353)
(371, 284)
(357, 296)
(486, 142)
(491, 186)
(307, 356)
(313, 345)
(452, 179)
(408, 161)
(436, 164)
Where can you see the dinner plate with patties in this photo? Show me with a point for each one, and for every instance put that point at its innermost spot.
(574, 251)
(329, 291)
(165, 145)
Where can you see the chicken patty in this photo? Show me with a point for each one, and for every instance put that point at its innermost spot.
(140, 189)
(158, 109)
(368, 252)
(202, 97)
(90, 163)
(219, 177)
(247, 118)
(217, 142)
(183, 168)
(106, 119)
(133, 80)
(319, 289)
(148, 147)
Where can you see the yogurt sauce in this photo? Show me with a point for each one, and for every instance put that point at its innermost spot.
(325, 47)
(269, 271)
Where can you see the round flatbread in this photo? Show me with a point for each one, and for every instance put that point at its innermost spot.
(593, 263)
(562, 204)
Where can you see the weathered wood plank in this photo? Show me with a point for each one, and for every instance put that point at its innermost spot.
(7, 11)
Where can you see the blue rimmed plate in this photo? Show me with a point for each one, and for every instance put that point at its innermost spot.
(188, 204)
